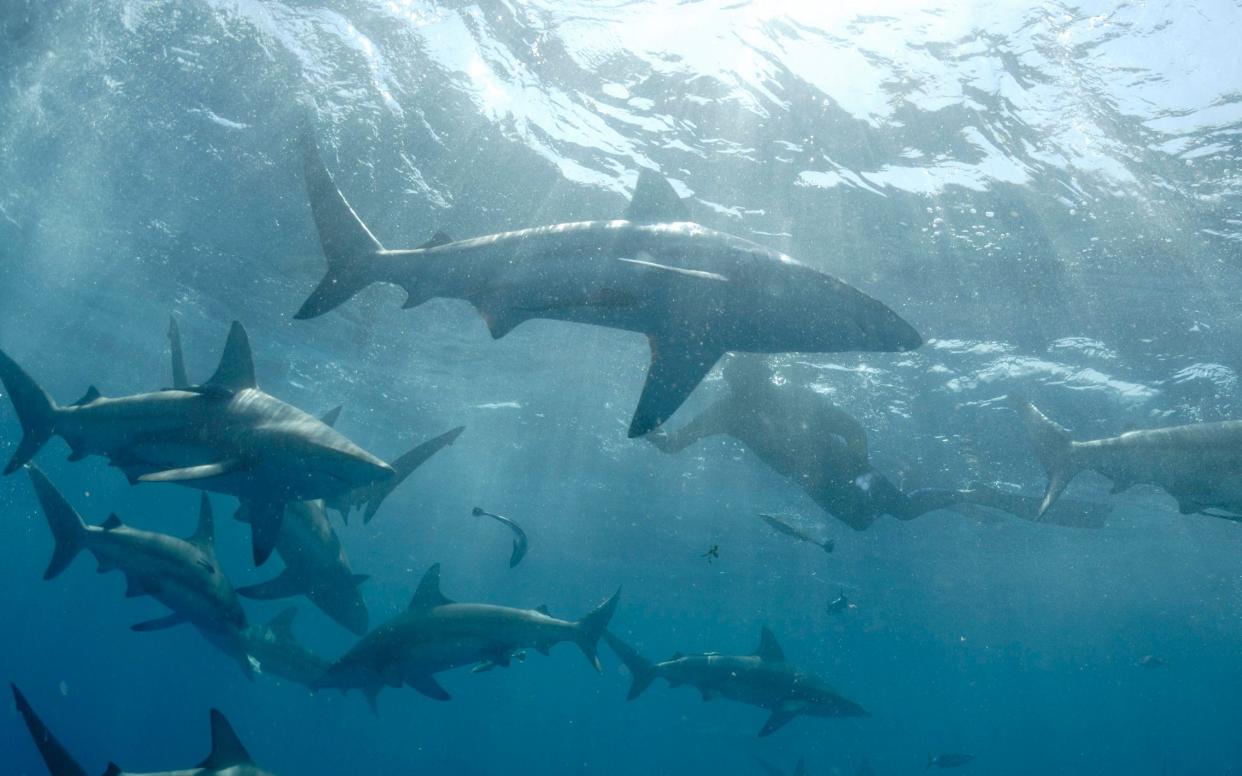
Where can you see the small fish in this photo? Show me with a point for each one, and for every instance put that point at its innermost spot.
(1153, 661)
(520, 544)
(712, 553)
(781, 526)
(950, 760)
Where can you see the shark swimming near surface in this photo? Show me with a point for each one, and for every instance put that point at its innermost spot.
(763, 678)
(1200, 464)
(696, 293)
(436, 634)
(228, 757)
(182, 574)
(224, 436)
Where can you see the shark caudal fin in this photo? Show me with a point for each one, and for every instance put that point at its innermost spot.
(404, 467)
(346, 241)
(1054, 447)
(642, 671)
(591, 628)
(36, 411)
(67, 527)
(59, 761)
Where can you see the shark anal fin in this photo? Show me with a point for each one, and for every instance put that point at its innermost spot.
(501, 320)
(427, 685)
(655, 200)
(159, 623)
(226, 748)
(677, 367)
(193, 473)
(283, 586)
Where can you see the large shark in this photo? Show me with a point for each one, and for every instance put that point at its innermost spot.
(762, 678)
(182, 574)
(695, 292)
(228, 756)
(225, 436)
(435, 634)
(279, 654)
(1200, 465)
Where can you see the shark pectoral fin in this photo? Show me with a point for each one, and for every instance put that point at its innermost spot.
(427, 685)
(265, 529)
(58, 760)
(134, 587)
(283, 586)
(655, 200)
(226, 748)
(501, 320)
(159, 623)
(193, 473)
(483, 667)
(677, 367)
(781, 716)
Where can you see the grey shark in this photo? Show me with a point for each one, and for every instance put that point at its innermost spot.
(228, 757)
(436, 634)
(762, 678)
(520, 543)
(1200, 465)
(225, 436)
(279, 654)
(182, 574)
(695, 292)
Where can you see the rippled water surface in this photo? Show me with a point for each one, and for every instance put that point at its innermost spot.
(1049, 192)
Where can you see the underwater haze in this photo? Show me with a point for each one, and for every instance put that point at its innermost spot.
(1050, 193)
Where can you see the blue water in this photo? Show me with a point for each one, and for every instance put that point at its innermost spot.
(1049, 192)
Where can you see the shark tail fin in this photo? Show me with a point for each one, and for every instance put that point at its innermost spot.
(346, 241)
(404, 467)
(642, 671)
(36, 411)
(591, 628)
(67, 527)
(59, 761)
(1054, 447)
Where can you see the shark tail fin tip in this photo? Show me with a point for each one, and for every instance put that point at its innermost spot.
(68, 529)
(36, 411)
(58, 760)
(642, 671)
(1054, 447)
(403, 467)
(594, 626)
(345, 239)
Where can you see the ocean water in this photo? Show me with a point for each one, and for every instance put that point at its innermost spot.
(1049, 192)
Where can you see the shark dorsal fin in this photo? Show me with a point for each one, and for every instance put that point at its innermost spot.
(437, 239)
(330, 417)
(282, 624)
(677, 656)
(204, 536)
(226, 748)
(113, 770)
(180, 380)
(112, 522)
(769, 650)
(543, 609)
(428, 594)
(91, 395)
(236, 369)
(655, 200)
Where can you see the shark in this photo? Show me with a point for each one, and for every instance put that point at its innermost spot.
(182, 574)
(279, 654)
(1199, 464)
(763, 678)
(696, 293)
(436, 634)
(224, 436)
(316, 565)
(228, 757)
